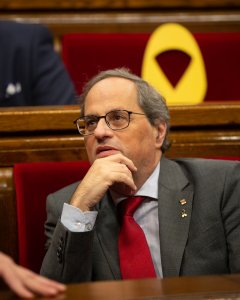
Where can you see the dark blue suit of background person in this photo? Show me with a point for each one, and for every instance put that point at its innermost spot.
(31, 72)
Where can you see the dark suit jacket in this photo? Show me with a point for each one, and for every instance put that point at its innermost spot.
(206, 241)
(31, 72)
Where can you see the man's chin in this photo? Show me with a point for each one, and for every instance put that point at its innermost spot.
(107, 153)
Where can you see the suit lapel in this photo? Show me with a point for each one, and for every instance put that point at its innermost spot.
(175, 206)
(107, 228)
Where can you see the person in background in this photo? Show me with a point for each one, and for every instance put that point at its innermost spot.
(137, 214)
(31, 72)
(24, 282)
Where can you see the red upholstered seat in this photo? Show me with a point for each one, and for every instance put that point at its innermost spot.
(34, 181)
(221, 53)
(227, 157)
(84, 54)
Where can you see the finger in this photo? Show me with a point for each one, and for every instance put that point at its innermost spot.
(16, 284)
(122, 168)
(51, 283)
(124, 178)
(118, 172)
(129, 164)
(38, 288)
(120, 158)
(38, 284)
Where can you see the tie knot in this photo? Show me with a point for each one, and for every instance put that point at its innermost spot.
(128, 206)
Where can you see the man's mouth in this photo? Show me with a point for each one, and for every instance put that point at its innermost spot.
(103, 151)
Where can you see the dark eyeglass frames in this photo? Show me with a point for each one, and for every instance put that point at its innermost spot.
(115, 119)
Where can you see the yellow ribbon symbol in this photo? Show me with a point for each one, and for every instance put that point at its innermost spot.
(192, 86)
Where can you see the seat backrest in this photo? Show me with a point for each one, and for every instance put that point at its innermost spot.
(33, 182)
(84, 54)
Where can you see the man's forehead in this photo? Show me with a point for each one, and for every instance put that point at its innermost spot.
(113, 82)
(110, 94)
(112, 87)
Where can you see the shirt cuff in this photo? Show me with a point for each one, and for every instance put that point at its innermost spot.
(76, 220)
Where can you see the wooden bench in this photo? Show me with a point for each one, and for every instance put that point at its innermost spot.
(35, 134)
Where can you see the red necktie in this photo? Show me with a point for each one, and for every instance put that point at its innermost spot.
(135, 257)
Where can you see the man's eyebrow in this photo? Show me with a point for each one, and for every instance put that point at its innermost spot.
(91, 115)
(97, 115)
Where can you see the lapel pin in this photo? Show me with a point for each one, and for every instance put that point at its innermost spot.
(184, 214)
(183, 201)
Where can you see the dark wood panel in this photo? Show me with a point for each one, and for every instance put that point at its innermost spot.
(41, 148)
(136, 21)
(71, 147)
(206, 114)
(14, 119)
(116, 4)
(208, 128)
(55, 118)
(8, 224)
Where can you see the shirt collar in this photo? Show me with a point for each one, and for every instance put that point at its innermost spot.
(148, 189)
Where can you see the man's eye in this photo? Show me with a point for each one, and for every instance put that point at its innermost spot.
(119, 117)
(90, 122)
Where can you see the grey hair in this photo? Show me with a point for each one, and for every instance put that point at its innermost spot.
(151, 102)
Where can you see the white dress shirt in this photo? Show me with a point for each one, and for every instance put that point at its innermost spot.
(146, 216)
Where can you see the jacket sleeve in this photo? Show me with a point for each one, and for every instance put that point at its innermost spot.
(51, 83)
(231, 216)
(69, 254)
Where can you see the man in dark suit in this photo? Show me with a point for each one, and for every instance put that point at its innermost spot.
(191, 210)
(31, 72)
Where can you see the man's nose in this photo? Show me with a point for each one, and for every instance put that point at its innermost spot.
(102, 129)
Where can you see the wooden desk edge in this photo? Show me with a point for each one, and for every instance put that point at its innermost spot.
(199, 287)
(14, 119)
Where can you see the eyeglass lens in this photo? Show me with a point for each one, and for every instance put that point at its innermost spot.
(116, 120)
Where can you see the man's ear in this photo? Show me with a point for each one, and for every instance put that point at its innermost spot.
(161, 130)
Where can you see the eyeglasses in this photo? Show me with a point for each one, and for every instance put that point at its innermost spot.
(115, 119)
